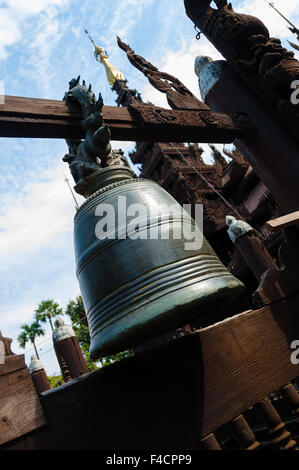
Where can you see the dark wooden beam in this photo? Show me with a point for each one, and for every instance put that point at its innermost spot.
(39, 118)
(284, 222)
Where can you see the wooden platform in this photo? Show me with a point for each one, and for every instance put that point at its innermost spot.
(172, 396)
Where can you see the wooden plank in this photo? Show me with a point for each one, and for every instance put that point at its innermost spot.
(11, 364)
(251, 358)
(283, 222)
(172, 396)
(39, 118)
(20, 410)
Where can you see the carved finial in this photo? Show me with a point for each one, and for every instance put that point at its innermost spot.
(100, 101)
(237, 228)
(208, 72)
(62, 331)
(7, 343)
(35, 364)
(200, 62)
(125, 47)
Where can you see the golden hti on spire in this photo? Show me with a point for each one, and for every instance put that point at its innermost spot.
(113, 74)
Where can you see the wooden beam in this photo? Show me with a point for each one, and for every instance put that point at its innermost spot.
(39, 118)
(284, 222)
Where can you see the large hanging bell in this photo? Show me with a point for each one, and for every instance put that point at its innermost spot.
(137, 287)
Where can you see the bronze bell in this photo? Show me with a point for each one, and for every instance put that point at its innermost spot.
(135, 284)
(135, 289)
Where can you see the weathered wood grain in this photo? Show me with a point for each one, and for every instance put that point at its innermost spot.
(39, 118)
(20, 410)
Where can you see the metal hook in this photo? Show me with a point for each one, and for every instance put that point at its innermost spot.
(197, 37)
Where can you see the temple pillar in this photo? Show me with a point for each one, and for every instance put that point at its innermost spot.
(272, 152)
(38, 375)
(68, 352)
(251, 247)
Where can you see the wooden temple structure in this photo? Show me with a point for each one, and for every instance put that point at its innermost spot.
(222, 186)
(229, 381)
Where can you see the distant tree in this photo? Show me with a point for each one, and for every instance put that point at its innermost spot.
(56, 381)
(108, 360)
(29, 333)
(75, 310)
(47, 310)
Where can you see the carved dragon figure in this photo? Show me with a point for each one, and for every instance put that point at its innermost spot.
(95, 152)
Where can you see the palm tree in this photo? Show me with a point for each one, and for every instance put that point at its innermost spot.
(47, 310)
(30, 332)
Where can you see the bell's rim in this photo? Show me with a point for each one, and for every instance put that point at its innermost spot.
(176, 312)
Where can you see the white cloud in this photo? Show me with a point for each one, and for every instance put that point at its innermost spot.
(33, 221)
(274, 22)
(15, 13)
(32, 7)
(125, 17)
(37, 254)
(9, 31)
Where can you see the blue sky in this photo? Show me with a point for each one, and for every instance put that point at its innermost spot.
(43, 46)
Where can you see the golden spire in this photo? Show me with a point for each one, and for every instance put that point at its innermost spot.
(113, 74)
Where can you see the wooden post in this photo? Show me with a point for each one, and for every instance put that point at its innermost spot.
(68, 352)
(20, 409)
(277, 284)
(250, 246)
(243, 434)
(38, 374)
(292, 396)
(209, 443)
(277, 430)
(272, 152)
